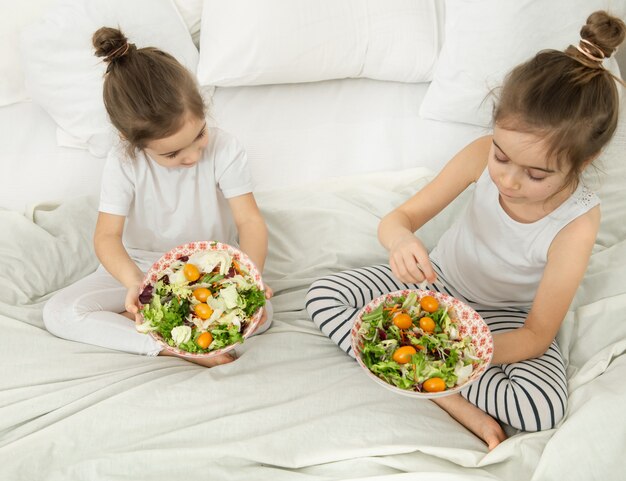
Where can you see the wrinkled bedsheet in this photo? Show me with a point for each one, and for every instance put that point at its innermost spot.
(293, 406)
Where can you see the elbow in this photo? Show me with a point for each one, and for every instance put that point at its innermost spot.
(104, 243)
(540, 345)
(536, 352)
(386, 225)
(98, 241)
(254, 222)
(255, 228)
(541, 349)
(395, 223)
(379, 231)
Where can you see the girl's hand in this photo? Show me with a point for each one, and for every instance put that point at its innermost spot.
(263, 319)
(131, 304)
(409, 260)
(268, 294)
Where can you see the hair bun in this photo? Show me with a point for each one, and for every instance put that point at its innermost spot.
(110, 43)
(602, 34)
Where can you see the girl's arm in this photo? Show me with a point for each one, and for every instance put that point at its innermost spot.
(396, 229)
(251, 227)
(568, 257)
(113, 256)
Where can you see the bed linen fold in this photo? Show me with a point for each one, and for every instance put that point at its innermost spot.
(293, 406)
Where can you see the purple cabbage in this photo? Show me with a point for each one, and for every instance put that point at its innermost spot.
(146, 295)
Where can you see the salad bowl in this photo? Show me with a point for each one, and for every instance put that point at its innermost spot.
(421, 343)
(201, 299)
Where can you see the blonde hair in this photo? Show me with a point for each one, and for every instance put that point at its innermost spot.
(567, 97)
(147, 92)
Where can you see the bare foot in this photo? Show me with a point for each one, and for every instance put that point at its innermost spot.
(206, 362)
(203, 361)
(473, 418)
(212, 361)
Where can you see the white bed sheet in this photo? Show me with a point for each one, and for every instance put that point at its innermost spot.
(303, 410)
(293, 406)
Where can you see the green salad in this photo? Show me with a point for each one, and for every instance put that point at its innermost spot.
(415, 344)
(201, 303)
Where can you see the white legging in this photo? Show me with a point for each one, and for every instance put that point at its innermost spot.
(88, 311)
(529, 395)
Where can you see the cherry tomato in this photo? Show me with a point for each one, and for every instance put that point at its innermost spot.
(427, 324)
(402, 320)
(202, 294)
(429, 303)
(403, 354)
(191, 272)
(203, 311)
(434, 384)
(204, 340)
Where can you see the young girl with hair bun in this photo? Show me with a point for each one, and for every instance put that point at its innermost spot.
(172, 179)
(519, 252)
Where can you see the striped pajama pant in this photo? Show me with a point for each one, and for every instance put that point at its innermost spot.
(529, 395)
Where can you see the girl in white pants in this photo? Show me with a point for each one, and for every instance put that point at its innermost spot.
(87, 311)
(172, 179)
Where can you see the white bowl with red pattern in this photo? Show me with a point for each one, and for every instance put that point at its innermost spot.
(186, 250)
(469, 322)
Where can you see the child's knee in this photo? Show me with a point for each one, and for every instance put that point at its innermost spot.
(539, 413)
(526, 404)
(317, 285)
(323, 290)
(52, 315)
(314, 292)
(541, 399)
(314, 300)
(59, 315)
(551, 412)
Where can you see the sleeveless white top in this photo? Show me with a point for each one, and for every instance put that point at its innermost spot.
(494, 260)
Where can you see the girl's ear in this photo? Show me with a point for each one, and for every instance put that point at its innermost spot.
(587, 162)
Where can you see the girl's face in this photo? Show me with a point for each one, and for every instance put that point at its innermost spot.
(523, 174)
(182, 149)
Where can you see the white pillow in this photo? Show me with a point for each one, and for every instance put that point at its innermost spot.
(62, 73)
(608, 179)
(485, 39)
(254, 42)
(191, 11)
(12, 19)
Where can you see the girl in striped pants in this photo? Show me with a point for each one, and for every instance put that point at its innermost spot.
(519, 252)
(529, 395)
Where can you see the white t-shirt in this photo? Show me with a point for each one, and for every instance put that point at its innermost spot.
(494, 260)
(166, 207)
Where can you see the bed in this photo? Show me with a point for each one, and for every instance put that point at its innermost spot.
(330, 155)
